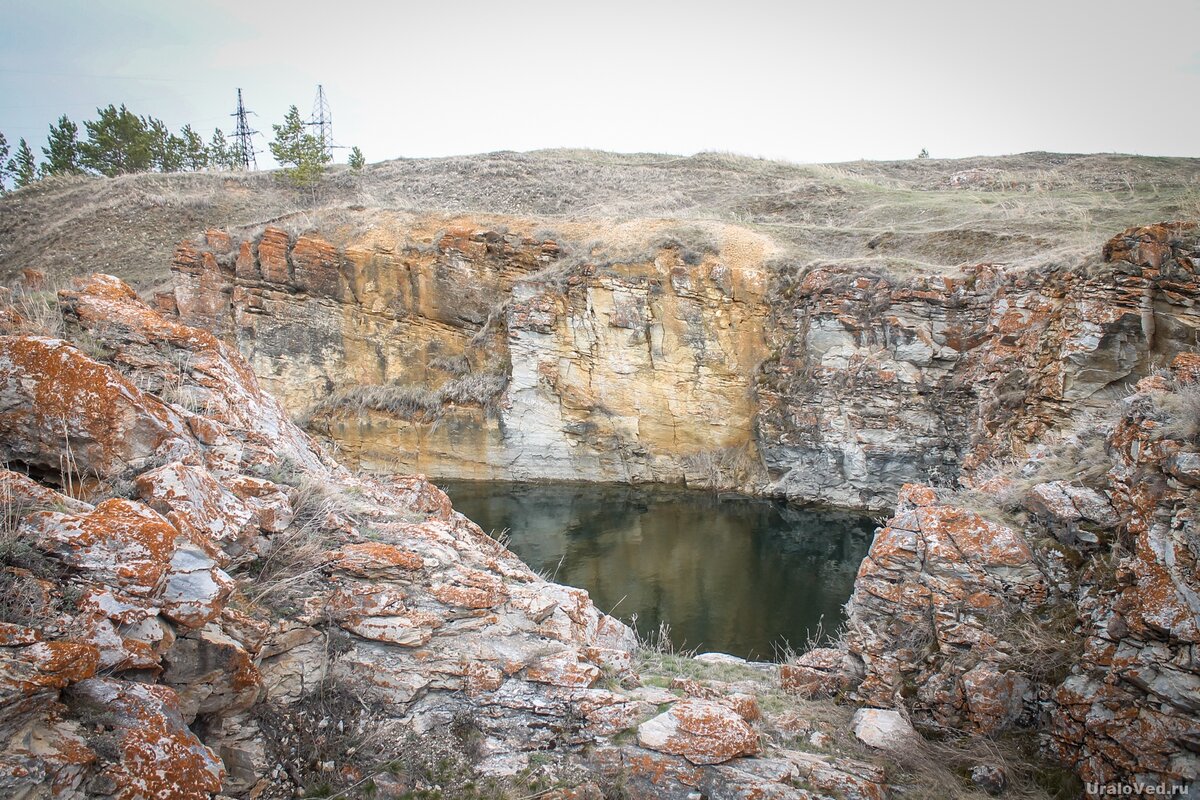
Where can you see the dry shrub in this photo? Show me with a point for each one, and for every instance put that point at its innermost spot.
(722, 468)
(417, 402)
(23, 567)
(1179, 412)
(1044, 644)
(942, 769)
(290, 571)
(324, 737)
(455, 365)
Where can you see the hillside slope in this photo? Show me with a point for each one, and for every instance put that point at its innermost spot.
(909, 214)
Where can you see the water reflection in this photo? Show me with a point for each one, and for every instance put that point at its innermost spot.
(737, 576)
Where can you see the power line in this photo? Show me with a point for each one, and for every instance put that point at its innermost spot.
(243, 144)
(98, 75)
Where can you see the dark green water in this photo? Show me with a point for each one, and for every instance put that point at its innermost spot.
(734, 576)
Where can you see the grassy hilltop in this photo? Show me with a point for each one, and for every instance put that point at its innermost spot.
(1031, 209)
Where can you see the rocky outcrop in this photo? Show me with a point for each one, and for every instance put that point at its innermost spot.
(248, 618)
(1131, 706)
(1079, 610)
(935, 591)
(876, 380)
(472, 348)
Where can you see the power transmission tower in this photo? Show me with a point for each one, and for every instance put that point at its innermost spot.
(243, 144)
(322, 120)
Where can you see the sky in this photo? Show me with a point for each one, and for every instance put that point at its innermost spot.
(836, 80)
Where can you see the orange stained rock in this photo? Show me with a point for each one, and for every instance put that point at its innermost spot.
(46, 665)
(1187, 367)
(160, 756)
(371, 557)
(120, 538)
(566, 669)
(273, 256)
(63, 397)
(917, 495)
(701, 731)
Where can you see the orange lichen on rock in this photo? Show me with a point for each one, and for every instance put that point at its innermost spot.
(61, 407)
(121, 544)
(159, 755)
(701, 731)
(376, 559)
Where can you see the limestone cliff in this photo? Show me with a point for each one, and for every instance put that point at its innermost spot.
(466, 350)
(475, 348)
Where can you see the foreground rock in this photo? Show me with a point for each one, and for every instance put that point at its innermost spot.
(249, 618)
(702, 732)
(884, 729)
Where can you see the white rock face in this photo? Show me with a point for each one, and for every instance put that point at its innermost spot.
(883, 729)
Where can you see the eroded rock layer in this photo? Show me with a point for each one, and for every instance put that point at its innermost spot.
(456, 349)
(469, 348)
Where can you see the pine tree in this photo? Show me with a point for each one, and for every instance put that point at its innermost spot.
(219, 153)
(195, 154)
(22, 166)
(3, 163)
(62, 149)
(166, 149)
(117, 143)
(356, 160)
(301, 154)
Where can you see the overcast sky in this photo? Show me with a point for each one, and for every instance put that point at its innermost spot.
(834, 80)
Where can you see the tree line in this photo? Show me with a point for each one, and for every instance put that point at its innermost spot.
(119, 142)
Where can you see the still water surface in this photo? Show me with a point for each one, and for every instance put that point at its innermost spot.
(741, 576)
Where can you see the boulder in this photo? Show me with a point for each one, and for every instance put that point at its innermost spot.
(60, 411)
(157, 754)
(884, 729)
(702, 731)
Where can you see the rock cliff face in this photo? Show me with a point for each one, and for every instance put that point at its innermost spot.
(1081, 610)
(877, 380)
(468, 351)
(463, 348)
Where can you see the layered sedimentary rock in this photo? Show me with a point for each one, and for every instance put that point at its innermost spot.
(490, 353)
(462, 349)
(876, 380)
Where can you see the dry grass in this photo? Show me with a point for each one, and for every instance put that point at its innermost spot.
(291, 570)
(1179, 413)
(23, 567)
(1043, 645)
(1037, 208)
(417, 402)
(329, 729)
(942, 769)
(38, 311)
